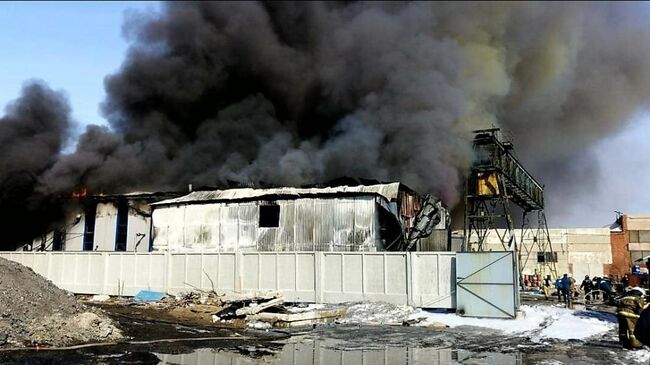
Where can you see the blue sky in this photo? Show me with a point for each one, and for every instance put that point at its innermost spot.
(70, 45)
(73, 45)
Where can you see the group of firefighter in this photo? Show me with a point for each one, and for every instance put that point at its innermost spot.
(631, 303)
(567, 291)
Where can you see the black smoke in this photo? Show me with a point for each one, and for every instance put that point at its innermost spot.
(32, 133)
(293, 93)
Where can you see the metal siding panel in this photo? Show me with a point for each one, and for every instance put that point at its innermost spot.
(266, 239)
(138, 233)
(229, 228)
(304, 232)
(248, 221)
(105, 227)
(288, 220)
(169, 223)
(200, 227)
(323, 225)
(364, 219)
(343, 225)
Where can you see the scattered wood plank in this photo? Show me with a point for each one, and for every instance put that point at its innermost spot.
(299, 317)
(256, 308)
(248, 297)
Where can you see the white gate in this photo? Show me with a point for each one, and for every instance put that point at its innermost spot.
(486, 284)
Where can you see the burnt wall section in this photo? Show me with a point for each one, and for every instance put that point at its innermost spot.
(308, 224)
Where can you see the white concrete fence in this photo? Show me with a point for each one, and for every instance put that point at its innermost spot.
(422, 279)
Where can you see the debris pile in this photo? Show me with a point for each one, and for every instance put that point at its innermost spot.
(33, 311)
(257, 309)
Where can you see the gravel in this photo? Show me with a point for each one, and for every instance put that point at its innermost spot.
(33, 311)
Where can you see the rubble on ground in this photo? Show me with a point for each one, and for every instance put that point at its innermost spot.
(33, 311)
(259, 310)
(263, 310)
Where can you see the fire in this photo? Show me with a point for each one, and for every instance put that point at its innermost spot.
(81, 193)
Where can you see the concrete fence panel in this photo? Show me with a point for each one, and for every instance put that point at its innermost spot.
(433, 277)
(423, 279)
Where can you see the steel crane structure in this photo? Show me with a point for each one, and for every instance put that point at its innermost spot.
(497, 180)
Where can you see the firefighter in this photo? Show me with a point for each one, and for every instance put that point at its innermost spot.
(546, 286)
(566, 290)
(586, 286)
(642, 327)
(628, 311)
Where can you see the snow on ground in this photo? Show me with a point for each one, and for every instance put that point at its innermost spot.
(540, 321)
(638, 356)
(377, 313)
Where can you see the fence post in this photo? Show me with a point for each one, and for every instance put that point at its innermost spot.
(238, 271)
(105, 274)
(409, 279)
(49, 265)
(168, 273)
(318, 276)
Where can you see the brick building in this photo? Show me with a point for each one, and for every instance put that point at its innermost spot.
(630, 241)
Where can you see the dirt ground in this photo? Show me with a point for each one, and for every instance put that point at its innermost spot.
(404, 345)
(35, 312)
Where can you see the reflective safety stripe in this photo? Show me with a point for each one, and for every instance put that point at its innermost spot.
(627, 314)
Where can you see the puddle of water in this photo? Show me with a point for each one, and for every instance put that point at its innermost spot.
(319, 352)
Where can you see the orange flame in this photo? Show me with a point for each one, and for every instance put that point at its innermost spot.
(81, 193)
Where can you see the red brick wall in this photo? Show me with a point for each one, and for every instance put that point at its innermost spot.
(621, 264)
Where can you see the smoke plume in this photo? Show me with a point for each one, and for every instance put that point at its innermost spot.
(32, 132)
(292, 93)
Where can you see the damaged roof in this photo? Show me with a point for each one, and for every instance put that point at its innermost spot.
(387, 190)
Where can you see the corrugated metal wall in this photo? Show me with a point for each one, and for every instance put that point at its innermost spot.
(321, 224)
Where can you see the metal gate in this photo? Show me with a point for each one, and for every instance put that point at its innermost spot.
(486, 284)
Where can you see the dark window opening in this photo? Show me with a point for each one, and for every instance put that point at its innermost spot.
(89, 227)
(58, 237)
(122, 225)
(543, 257)
(269, 216)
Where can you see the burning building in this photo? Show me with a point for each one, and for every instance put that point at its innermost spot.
(333, 218)
(359, 217)
(103, 223)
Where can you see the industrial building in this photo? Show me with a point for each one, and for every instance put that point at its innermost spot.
(630, 241)
(373, 217)
(353, 217)
(578, 251)
(103, 223)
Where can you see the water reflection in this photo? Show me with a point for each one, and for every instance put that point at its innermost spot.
(325, 353)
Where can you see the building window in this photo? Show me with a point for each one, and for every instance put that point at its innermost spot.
(89, 226)
(58, 240)
(122, 225)
(644, 236)
(638, 255)
(269, 216)
(634, 236)
(543, 257)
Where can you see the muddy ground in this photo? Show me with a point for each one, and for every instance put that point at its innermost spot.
(324, 344)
